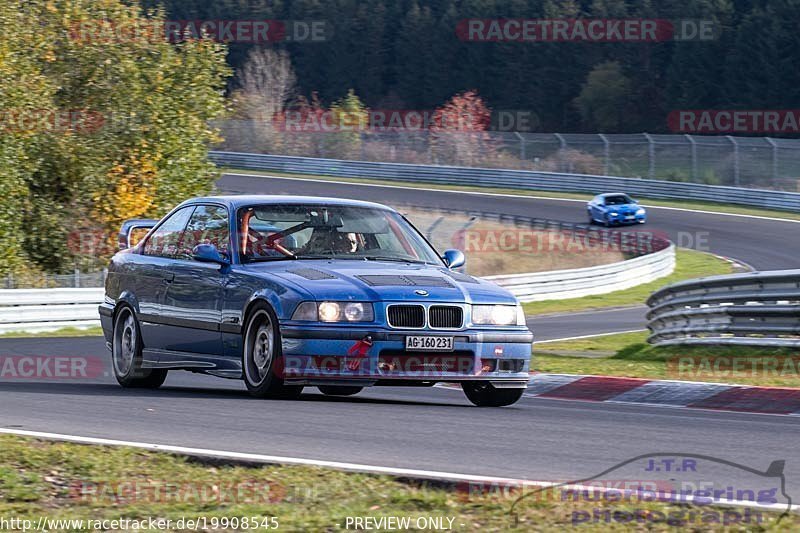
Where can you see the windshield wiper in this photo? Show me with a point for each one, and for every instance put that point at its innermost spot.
(270, 258)
(393, 259)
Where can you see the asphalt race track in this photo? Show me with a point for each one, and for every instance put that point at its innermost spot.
(429, 429)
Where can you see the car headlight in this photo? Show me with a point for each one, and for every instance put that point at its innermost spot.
(640, 211)
(613, 214)
(498, 315)
(334, 312)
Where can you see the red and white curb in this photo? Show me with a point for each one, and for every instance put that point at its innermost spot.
(689, 394)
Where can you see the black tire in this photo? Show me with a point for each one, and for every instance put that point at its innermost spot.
(262, 358)
(339, 390)
(484, 394)
(126, 354)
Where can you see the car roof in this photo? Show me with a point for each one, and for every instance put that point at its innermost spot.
(612, 194)
(236, 201)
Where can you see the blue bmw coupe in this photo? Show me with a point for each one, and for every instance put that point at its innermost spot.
(285, 291)
(615, 209)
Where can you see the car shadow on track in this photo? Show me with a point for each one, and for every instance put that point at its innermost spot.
(167, 392)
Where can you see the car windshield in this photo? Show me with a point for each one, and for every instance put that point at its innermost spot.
(619, 199)
(317, 231)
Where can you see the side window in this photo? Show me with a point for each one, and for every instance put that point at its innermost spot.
(165, 240)
(208, 225)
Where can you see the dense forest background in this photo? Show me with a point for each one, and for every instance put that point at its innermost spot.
(404, 54)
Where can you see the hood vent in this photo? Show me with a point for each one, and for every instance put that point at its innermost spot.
(311, 273)
(383, 280)
(463, 278)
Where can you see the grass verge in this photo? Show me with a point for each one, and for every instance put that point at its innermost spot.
(681, 204)
(63, 332)
(629, 355)
(72, 481)
(689, 264)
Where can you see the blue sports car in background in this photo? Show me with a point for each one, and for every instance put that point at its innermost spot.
(613, 209)
(285, 292)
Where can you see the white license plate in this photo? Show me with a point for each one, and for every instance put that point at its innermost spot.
(424, 343)
(630, 217)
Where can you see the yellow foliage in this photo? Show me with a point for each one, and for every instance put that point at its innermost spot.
(131, 191)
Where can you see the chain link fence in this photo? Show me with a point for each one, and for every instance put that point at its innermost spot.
(77, 280)
(752, 162)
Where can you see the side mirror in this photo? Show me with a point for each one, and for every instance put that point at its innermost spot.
(454, 258)
(125, 239)
(208, 253)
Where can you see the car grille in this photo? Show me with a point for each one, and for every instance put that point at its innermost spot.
(413, 316)
(445, 316)
(406, 316)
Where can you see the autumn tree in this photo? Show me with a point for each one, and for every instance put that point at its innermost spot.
(349, 120)
(458, 131)
(266, 90)
(128, 127)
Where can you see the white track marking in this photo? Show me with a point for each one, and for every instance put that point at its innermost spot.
(350, 467)
(535, 342)
(503, 195)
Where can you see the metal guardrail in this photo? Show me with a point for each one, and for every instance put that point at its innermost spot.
(509, 179)
(76, 280)
(578, 282)
(652, 257)
(759, 309)
(48, 309)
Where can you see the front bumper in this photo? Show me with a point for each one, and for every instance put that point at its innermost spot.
(369, 356)
(622, 220)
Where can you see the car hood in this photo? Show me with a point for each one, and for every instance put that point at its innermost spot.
(623, 207)
(382, 281)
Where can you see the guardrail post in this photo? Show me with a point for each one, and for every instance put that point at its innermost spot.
(463, 231)
(521, 146)
(76, 276)
(606, 153)
(561, 148)
(774, 159)
(693, 145)
(432, 228)
(735, 159)
(651, 156)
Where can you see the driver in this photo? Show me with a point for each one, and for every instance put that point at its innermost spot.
(329, 241)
